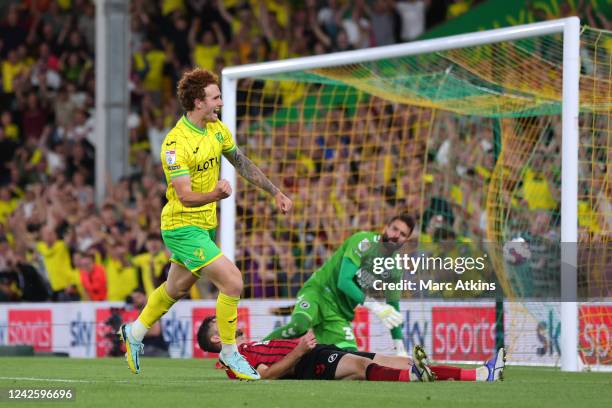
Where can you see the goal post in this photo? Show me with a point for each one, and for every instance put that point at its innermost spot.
(569, 194)
(570, 106)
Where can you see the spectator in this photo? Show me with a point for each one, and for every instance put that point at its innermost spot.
(536, 188)
(56, 259)
(149, 65)
(86, 24)
(412, 16)
(13, 33)
(12, 70)
(152, 264)
(357, 26)
(35, 116)
(263, 276)
(384, 22)
(23, 281)
(93, 277)
(121, 277)
(208, 48)
(8, 287)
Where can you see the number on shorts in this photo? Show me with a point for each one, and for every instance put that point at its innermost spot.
(348, 333)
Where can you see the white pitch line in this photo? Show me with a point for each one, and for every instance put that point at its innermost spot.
(63, 380)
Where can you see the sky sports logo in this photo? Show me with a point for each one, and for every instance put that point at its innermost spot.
(463, 333)
(31, 327)
(596, 334)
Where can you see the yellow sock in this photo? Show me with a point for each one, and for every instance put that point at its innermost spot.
(227, 317)
(158, 304)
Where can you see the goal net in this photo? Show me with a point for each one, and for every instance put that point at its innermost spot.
(468, 140)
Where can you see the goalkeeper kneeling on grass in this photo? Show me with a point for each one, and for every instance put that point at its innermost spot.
(305, 359)
(326, 303)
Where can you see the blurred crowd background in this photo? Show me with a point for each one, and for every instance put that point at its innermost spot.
(56, 244)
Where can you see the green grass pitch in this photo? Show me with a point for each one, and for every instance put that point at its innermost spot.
(195, 383)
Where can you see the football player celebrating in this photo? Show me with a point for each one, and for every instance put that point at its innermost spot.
(191, 154)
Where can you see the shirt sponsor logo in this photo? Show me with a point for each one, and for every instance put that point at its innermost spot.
(170, 157)
(208, 164)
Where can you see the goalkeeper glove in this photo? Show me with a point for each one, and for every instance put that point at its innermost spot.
(400, 350)
(387, 314)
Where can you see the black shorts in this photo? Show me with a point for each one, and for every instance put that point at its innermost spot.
(322, 361)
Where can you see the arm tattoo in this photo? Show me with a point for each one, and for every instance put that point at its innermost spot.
(247, 169)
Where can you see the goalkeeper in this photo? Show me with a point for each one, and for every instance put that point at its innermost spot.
(326, 303)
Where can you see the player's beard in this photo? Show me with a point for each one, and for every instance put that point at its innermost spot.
(389, 245)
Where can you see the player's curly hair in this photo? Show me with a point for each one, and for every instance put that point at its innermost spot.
(204, 336)
(191, 86)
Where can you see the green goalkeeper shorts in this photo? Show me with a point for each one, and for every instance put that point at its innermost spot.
(328, 324)
(191, 247)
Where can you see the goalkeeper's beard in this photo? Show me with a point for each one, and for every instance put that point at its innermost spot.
(390, 245)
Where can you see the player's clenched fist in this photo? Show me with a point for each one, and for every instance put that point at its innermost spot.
(283, 203)
(223, 189)
(307, 342)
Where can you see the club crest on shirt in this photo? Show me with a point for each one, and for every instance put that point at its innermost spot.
(219, 137)
(170, 157)
(364, 245)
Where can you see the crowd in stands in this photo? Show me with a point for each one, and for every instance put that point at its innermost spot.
(57, 244)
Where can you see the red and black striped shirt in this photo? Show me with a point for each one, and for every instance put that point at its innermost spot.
(265, 352)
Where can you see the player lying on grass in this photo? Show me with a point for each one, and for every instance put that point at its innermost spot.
(327, 301)
(304, 359)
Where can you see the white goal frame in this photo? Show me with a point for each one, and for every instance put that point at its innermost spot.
(569, 27)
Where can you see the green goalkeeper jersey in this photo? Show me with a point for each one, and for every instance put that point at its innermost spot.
(345, 277)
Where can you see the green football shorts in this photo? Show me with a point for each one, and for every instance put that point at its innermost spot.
(192, 247)
(328, 324)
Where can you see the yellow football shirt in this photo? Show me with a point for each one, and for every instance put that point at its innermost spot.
(9, 72)
(189, 150)
(155, 59)
(537, 192)
(151, 267)
(56, 259)
(121, 280)
(7, 208)
(204, 55)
